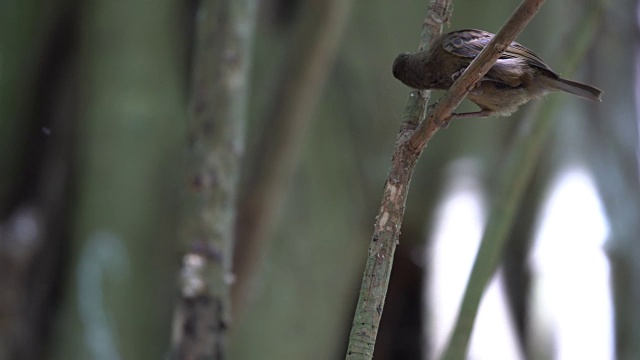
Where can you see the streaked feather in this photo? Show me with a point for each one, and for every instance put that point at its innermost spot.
(469, 43)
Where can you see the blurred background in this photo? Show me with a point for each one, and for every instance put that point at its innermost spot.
(93, 111)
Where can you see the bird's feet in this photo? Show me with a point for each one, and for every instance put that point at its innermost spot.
(457, 74)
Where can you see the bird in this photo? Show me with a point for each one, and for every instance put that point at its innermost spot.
(518, 75)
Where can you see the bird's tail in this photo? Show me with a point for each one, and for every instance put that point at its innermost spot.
(573, 87)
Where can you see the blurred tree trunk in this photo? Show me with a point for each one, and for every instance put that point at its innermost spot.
(35, 127)
(219, 92)
(25, 29)
(116, 302)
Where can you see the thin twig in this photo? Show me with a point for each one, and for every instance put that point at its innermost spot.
(438, 14)
(375, 281)
(409, 146)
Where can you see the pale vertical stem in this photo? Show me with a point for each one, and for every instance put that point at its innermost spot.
(215, 145)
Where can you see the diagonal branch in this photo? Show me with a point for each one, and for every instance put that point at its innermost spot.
(411, 141)
(441, 114)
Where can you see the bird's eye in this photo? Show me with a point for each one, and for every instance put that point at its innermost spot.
(457, 42)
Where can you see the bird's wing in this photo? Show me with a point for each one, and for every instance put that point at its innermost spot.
(469, 43)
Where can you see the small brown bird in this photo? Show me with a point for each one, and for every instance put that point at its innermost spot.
(518, 76)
